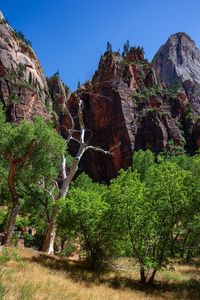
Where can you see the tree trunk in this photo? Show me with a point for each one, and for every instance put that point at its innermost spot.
(152, 277)
(11, 222)
(48, 245)
(14, 196)
(142, 276)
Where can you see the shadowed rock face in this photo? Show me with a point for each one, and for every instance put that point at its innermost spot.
(23, 86)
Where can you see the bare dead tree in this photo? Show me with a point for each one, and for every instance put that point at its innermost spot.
(48, 245)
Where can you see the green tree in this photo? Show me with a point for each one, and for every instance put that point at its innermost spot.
(126, 48)
(84, 213)
(190, 240)
(151, 213)
(108, 47)
(168, 193)
(31, 151)
(142, 161)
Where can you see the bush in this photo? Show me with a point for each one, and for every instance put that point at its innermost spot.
(33, 241)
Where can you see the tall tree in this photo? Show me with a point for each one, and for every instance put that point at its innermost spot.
(30, 149)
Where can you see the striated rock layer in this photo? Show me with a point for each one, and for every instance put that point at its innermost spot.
(23, 86)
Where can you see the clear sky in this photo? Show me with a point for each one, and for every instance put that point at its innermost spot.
(70, 35)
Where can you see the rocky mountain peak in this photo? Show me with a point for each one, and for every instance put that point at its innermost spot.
(178, 60)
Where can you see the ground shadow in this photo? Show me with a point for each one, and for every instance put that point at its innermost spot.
(77, 271)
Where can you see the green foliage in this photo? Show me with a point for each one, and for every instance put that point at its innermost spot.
(3, 218)
(109, 47)
(10, 76)
(147, 93)
(85, 213)
(173, 149)
(149, 213)
(69, 248)
(20, 70)
(174, 88)
(142, 161)
(22, 37)
(26, 85)
(126, 48)
(35, 241)
(14, 99)
(42, 164)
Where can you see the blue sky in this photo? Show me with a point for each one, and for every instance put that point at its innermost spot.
(70, 35)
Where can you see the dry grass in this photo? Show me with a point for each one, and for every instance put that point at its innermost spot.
(28, 275)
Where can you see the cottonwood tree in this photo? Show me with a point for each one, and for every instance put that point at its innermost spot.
(28, 150)
(68, 172)
(85, 213)
(151, 213)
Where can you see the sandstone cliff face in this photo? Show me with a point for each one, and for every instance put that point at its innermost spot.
(23, 86)
(125, 106)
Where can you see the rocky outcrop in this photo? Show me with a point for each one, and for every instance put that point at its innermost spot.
(178, 62)
(23, 86)
(59, 93)
(127, 110)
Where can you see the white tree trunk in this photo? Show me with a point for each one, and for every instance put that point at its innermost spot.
(48, 245)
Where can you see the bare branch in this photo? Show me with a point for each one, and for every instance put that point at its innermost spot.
(98, 149)
(64, 174)
(47, 190)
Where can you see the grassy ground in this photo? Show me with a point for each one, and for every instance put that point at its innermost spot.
(28, 275)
